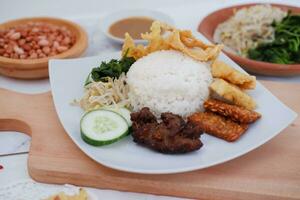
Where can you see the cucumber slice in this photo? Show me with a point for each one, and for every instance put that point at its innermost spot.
(122, 111)
(88, 79)
(102, 127)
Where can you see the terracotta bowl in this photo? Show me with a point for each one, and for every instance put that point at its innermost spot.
(38, 68)
(210, 23)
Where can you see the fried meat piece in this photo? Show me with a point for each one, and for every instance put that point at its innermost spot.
(192, 130)
(232, 94)
(234, 112)
(218, 126)
(172, 135)
(144, 117)
(221, 70)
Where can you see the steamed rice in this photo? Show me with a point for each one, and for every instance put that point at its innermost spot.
(168, 81)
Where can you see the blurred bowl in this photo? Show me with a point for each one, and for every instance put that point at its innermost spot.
(110, 19)
(210, 23)
(38, 68)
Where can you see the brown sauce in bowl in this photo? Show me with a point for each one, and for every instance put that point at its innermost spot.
(133, 25)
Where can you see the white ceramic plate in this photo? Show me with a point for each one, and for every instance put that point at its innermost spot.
(67, 78)
(108, 20)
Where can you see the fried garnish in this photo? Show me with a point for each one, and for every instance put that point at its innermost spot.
(233, 112)
(196, 53)
(190, 41)
(155, 37)
(218, 126)
(232, 94)
(131, 50)
(165, 37)
(82, 195)
(220, 69)
(155, 40)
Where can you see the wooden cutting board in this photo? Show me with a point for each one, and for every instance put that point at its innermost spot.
(270, 172)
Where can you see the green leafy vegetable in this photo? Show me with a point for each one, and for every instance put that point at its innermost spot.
(285, 49)
(114, 68)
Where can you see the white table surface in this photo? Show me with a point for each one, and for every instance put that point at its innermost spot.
(186, 14)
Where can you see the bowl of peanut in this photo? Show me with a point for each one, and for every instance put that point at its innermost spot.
(27, 44)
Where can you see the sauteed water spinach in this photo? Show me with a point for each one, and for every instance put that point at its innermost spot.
(285, 49)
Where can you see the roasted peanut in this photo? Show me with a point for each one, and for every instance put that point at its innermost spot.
(35, 40)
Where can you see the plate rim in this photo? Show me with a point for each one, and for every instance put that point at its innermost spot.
(162, 171)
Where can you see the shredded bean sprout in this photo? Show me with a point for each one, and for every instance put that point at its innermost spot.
(248, 27)
(99, 94)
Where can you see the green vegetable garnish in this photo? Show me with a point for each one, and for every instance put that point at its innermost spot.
(285, 49)
(114, 68)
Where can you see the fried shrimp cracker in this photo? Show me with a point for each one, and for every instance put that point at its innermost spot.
(233, 112)
(190, 41)
(218, 126)
(220, 69)
(196, 53)
(165, 37)
(155, 40)
(232, 94)
(83, 195)
(131, 50)
(175, 43)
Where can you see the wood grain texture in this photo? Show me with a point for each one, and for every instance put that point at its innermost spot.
(38, 68)
(272, 171)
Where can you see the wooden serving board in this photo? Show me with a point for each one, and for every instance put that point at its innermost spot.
(270, 172)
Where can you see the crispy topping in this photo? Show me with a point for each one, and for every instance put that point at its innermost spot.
(165, 37)
(234, 112)
(218, 126)
(82, 195)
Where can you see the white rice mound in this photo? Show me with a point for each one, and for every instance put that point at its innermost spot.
(169, 81)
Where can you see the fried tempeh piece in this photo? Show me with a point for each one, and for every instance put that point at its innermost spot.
(218, 126)
(220, 69)
(234, 112)
(232, 94)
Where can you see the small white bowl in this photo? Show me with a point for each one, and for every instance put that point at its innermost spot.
(111, 18)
